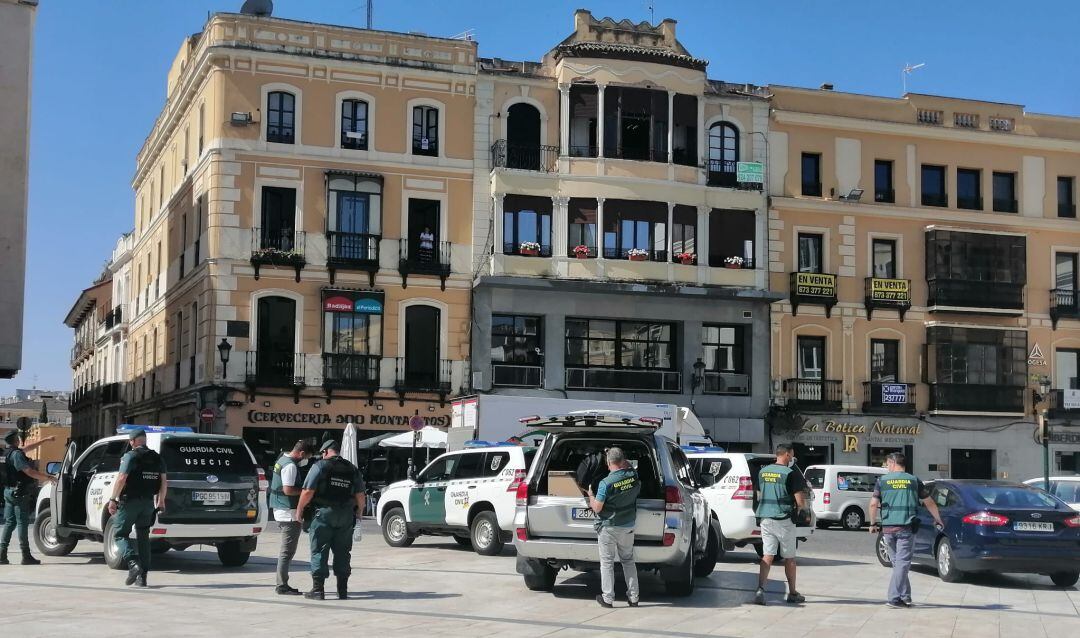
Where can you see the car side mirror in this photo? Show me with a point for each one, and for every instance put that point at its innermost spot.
(707, 480)
(53, 468)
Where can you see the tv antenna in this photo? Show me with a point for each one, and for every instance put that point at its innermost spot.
(467, 34)
(652, 11)
(906, 71)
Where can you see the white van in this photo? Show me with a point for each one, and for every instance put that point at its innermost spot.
(842, 493)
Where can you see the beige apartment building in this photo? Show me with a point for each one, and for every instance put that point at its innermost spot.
(302, 242)
(927, 251)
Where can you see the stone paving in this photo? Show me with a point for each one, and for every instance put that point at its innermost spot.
(435, 588)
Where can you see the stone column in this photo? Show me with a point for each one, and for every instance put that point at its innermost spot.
(600, 119)
(702, 136)
(702, 237)
(670, 129)
(554, 351)
(564, 120)
(559, 230)
(599, 227)
(497, 224)
(670, 223)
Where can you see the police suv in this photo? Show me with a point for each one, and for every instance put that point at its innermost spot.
(468, 494)
(216, 496)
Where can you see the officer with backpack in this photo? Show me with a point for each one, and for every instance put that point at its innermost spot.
(284, 496)
(782, 489)
(141, 478)
(18, 477)
(335, 491)
(897, 496)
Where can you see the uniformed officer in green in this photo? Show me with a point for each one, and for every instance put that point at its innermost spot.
(19, 478)
(336, 491)
(781, 489)
(615, 502)
(896, 497)
(141, 479)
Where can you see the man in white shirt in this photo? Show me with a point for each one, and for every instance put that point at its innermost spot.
(284, 495)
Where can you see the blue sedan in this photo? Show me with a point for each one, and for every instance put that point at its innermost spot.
(998, 527)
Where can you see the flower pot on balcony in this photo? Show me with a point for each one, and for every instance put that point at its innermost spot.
(637, 257)
(733, 266)
(686, 260)
(581, 255)
(529, 252)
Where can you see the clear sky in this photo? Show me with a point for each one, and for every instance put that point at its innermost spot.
(100, 65)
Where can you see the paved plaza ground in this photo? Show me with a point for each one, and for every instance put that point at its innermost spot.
(435, 588)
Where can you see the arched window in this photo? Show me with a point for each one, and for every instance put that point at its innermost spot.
(425, 131)
(280, 117)
(723, 154)
(354, 124)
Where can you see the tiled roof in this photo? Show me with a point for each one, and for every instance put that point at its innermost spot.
(616, 50)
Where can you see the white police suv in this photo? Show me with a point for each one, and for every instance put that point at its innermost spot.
(216, 495)
(468, 494)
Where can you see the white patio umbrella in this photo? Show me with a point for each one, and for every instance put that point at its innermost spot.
(348, 444)
(429, 438)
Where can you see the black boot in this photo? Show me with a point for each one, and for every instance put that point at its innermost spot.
(3, 557)
(27, 559)
(342, 587)
(133, 573)
(140, 580)
(316, 592)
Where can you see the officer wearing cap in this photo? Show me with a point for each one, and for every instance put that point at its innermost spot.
(335, 490)
(19, 478)
(141, 478)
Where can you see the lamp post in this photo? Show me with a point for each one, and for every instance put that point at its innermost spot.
(696, 379)
(224, 348)
(1038, 396)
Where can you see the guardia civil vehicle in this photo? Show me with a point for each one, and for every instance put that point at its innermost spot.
(468, 494)
(216, 496)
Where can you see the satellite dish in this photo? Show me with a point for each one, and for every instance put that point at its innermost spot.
(257, 7)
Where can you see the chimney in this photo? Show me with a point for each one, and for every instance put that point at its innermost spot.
(826, 87)
(667, 28)
(582, 19)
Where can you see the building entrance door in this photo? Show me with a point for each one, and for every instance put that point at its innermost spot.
(971, 464)
(812, 454)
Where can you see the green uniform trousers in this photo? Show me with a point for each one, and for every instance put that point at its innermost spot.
(18, 514)
(135, 513)
(331, 531)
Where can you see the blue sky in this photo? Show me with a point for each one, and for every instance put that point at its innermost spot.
(99, 82)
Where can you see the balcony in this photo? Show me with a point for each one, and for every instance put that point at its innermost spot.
(414, 260)
(433, 377)
(724, 173)
(1062, 405)
(812, 288)
(352, 251)
(967, 203)
(888, 398)
(623, 380)
(516, 375)
(1063, 305)
(814, 395)
(959, 295)
(282, 249)
(730, 383)
(273, 369)
(536, 250)
(885, 196)
(351, 372)
(544, 159)
(935, 199)
(111, 394)
(976, 399)
(891, 294)
(642, 254)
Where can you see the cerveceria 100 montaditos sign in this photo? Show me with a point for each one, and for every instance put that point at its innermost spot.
(317, 418)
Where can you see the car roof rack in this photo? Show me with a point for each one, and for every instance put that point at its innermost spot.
(153, 429)
(594, 418)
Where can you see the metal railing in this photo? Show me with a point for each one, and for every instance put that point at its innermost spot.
(811, 189)
(977, 399)
(1066, 210)
(969, 203)
(420, 377)
(284, 247)
(881, 397)
(814, 394)
(624, 253)
(725, 383)
(415, 258)
(1063, 303)
(510, 248)
(514, 375)
(975, 294)
(579, 150)
(885, 196)
(431, 149)
(623, 380)
(640, 153)
(935, 199)
(351, 371)
(274, 369)
(352, 248)
(1056, 405)
(542, 158)
(724, 173)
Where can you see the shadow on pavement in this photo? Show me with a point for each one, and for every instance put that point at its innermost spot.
(586, 585)
(398, 595)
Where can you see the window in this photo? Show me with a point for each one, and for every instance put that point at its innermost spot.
(810, 253)
(1067, 369)
(683, 471)
(441, 469)
(811, 174)
(811, 354)
(198, 229)
(883, 181)
(183, 242)
(354, 124)
(353, 333)
(470, 466)
(494, 462)
(1066, 201)
(1065, 271)
(620, 344)
(280, 117)
(884, 360)
(683, 231)
(723, 154)
(635, 225)
(976, 356)
(884, 258)
(161, 191)
(516, 339)
(425, 131)
(731, 234)
(278, 218)
(527, 225)
(933, 186)
(581, 216)
(202, 126)
(969, 188)
(1005, 192)
(354, 217)
(723, 348)
(856, 481)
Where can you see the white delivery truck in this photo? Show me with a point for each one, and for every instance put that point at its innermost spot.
(499, 417)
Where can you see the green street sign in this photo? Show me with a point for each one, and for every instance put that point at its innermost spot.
(750, 172)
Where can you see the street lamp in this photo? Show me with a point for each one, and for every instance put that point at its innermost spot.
(1038, 396)
(224, 348)
(696, 378)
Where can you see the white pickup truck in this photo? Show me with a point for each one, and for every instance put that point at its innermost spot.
(216, 496)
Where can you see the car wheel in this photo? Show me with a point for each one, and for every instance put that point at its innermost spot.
(680, 581)
(713, 550)
(485, 534)
(540, 576)
(464, 541)
(395, 529)
(47, 540)
(112, 553)
(232, 554)
(946, 563)
(882, 551)
(1065, 579)
(823, 524)
(852, 519)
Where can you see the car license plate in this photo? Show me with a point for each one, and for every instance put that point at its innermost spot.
(1025, 526)
(583, 514)
(211, 498)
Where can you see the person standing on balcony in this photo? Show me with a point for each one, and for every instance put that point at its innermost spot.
(427, 245)
(781, 489)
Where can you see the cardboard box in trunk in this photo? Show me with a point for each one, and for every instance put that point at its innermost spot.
(562, 484)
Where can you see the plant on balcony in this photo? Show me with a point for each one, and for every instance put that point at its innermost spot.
(529, 248)
(686, 259)
(637, 254)
(733, 262)
(276, 256)
(581, 251)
